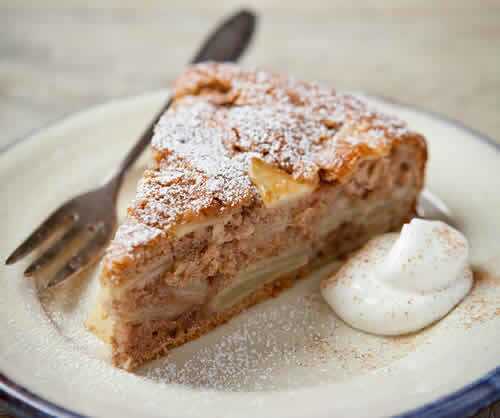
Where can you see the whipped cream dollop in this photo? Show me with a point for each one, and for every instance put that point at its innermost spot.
(399, 283)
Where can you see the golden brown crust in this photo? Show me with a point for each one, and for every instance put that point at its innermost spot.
(223, 116)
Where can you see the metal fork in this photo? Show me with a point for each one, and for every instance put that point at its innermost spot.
(91, 217)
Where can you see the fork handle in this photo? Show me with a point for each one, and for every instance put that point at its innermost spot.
(138, 148)
(226, 43)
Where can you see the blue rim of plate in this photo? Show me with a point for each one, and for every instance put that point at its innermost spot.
(470, 399)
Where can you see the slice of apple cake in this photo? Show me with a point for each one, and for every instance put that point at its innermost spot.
(255, 175)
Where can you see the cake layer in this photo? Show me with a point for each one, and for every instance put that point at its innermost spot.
(213, 266)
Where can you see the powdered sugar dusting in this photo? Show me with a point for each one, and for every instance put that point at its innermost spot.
(195, 175)
(252, 353)
(134, 233)
(223, 116)
(287, 122)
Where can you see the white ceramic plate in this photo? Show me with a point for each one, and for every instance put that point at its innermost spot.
(288, 357)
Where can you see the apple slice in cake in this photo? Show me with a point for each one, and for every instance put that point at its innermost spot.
(255, 175)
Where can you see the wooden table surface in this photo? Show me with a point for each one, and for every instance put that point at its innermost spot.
(61, 56)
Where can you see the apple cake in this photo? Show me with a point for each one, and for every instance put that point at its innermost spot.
(254, 176)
